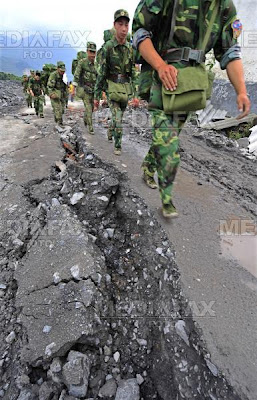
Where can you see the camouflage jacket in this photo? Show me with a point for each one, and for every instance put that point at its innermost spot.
(108, 35)
(153, 19)
(85, 75)
(31, 80)
(44, 79)
(55, 82)
(36, 87)
(116, 59)
(25, 85)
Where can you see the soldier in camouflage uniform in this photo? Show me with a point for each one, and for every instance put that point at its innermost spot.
(46, 71)
(25, 84)
(32, 75)
(85, 78)
(151, 28)
(108, 35)
(36, 89)
(57, 90)
(117, 66)
(31, 80)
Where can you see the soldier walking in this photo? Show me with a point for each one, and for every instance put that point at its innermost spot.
(172, 35)
(25, 84)
(57, 91)
(108, 35)
(36, 89)
(85, 79)
(117, 70)
(31, 80)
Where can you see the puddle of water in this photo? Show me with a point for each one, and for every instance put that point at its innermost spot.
(243, 248)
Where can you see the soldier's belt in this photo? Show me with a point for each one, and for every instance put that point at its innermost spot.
(119, 78)
(184, 54)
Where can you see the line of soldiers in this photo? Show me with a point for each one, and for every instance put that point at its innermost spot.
(34, 91)
(49, 82)
(166, 35)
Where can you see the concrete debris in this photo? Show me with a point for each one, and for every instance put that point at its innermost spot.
(109, 389)
(180, 328)
(11, 337)
(253, 140)
(3, 286)
(47, 329)
(56, 278)
(140, 379)
(75, 272)
(11, 95)
(103, 198)
(128, 390)
(61, 166)
(224, 96)
(116, 356)
(110, 232)
(243, 142)
(76, 373)
(212, 368)
(76, 198)
(55, 203)
(229, 122)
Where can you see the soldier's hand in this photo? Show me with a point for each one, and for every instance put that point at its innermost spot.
(53, 96)
(244, 105)
(168, 76)
(96, 105)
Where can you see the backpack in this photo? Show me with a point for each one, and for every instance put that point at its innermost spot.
(47, 70)
(80, 55)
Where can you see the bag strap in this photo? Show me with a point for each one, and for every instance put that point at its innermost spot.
(173, 20)
(202, 43)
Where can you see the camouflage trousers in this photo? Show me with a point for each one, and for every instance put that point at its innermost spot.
(163, 155)
(39, 104)
(28, 98)
(88, 100)
(115, 128)
(58, 109)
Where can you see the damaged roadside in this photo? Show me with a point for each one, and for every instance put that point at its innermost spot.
(92, 305)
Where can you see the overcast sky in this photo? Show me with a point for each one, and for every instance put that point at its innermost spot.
(93, 16)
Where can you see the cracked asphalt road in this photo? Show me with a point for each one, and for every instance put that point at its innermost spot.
(224, 288)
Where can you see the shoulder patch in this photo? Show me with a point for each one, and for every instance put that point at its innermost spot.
(237, 28)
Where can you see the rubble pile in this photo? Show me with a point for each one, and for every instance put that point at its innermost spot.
(10, 95)
(95, 305)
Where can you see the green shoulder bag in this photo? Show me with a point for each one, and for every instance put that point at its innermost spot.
(194, 82)
(119, 92)
(191, 91)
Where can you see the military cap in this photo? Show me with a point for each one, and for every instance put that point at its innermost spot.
(61, 65)
(121, 14)
(32, 71)
(24, 76)
(91, 46)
